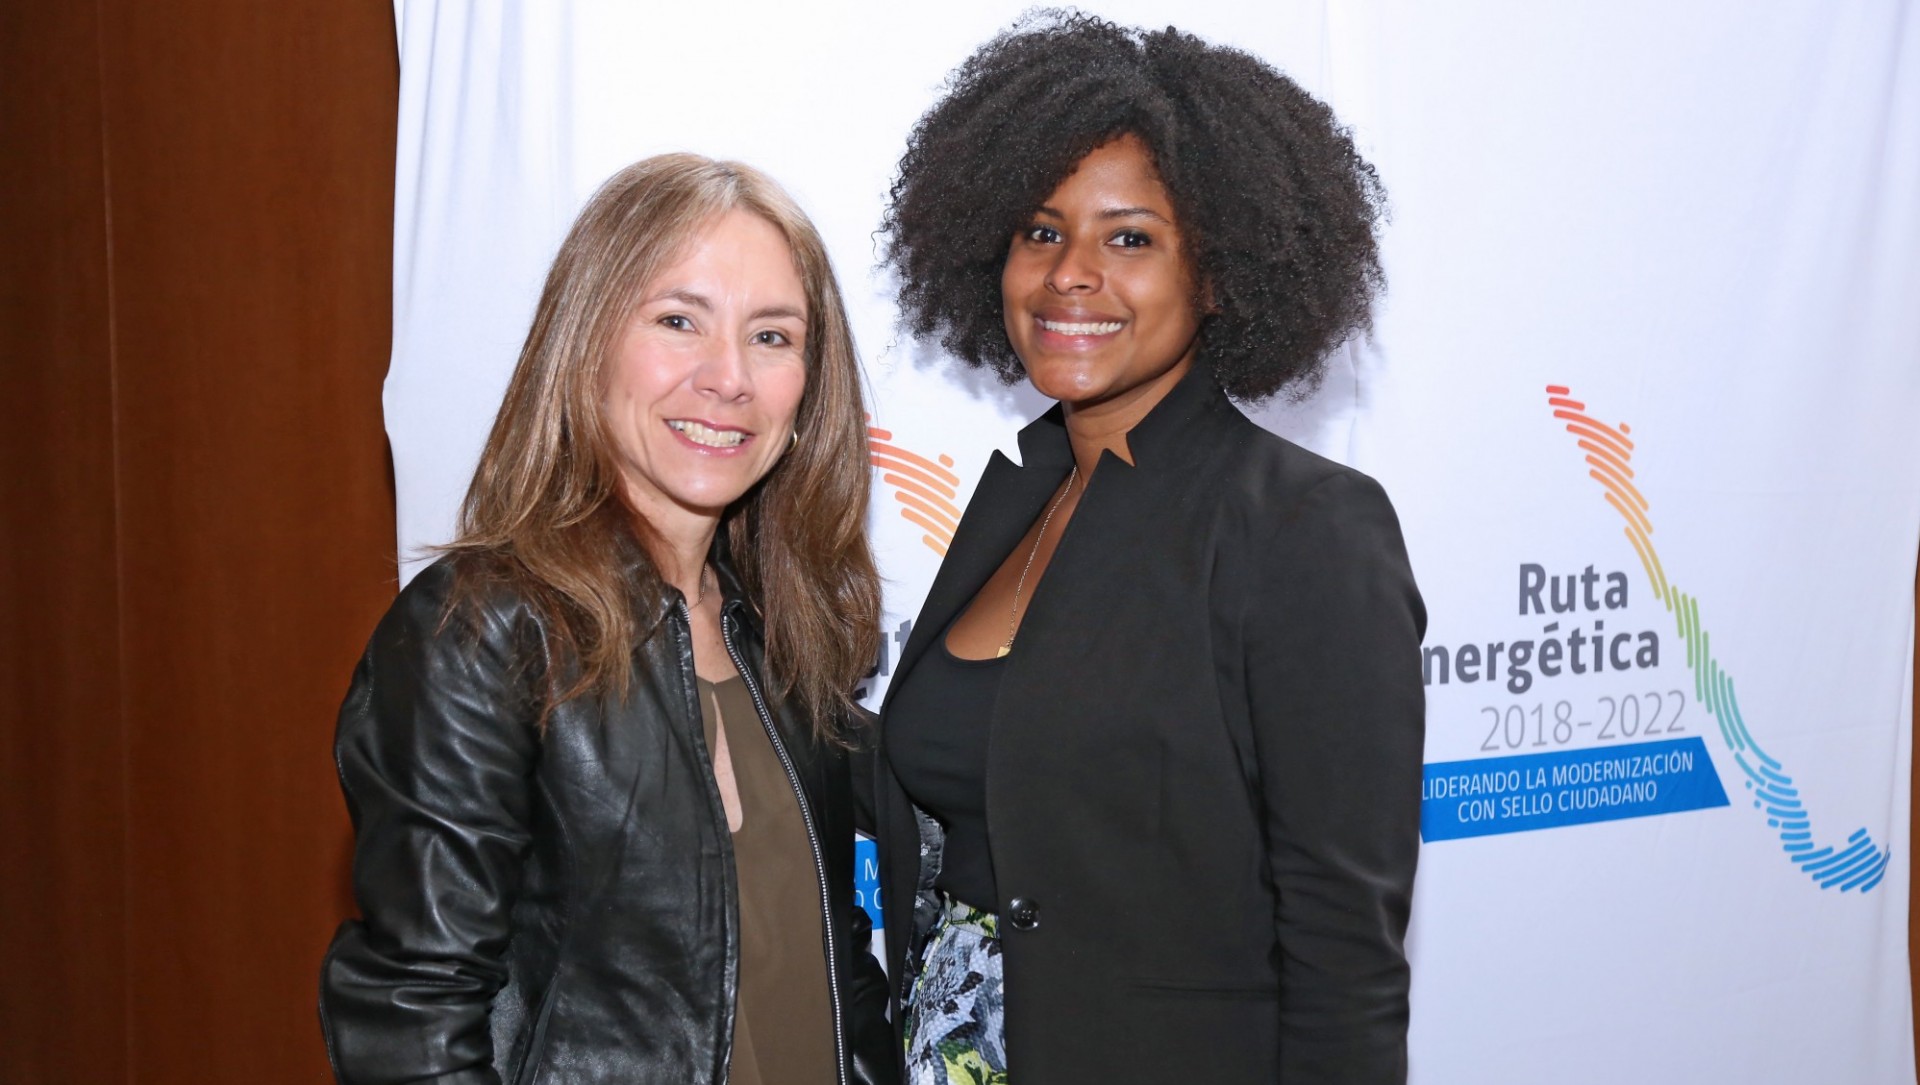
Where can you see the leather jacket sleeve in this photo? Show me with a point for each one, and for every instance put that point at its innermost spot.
(874, 1055)
(1334, 690)
(435, 747)
(866, 731)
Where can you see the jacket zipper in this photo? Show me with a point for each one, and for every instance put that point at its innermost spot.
(813, 839)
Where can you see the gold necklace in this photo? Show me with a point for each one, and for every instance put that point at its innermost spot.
(1013, 612)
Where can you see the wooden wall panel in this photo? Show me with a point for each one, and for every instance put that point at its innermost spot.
(252, 171)
(196, 521)
(62, 916)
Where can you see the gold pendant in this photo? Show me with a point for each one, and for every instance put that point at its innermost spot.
(1004, 649)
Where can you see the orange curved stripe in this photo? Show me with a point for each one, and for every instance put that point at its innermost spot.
(899, 470)
(1587, 427)
(1638, 499)
(1661, 572)
(1614, 461)
(1652, 554)
(1608, 449)
(1602, 438)
(917, 487)
(1617, 485)
(915, 518)
(1646, 560)
(1632, 515)
(934, 545)
(916, 459)
(1615, 433)
(947, 520)
(877, 432)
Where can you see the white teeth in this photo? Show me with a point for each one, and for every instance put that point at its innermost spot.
(706, 435)
(1102, 328)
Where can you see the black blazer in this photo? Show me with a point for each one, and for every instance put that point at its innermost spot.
(1203, 784)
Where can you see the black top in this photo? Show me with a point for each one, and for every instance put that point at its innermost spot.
(937, 741)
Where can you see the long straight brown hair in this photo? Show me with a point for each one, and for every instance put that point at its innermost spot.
(545, 508)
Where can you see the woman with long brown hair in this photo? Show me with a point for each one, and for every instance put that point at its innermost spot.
(595, 754)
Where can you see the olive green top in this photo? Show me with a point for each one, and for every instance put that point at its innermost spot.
(783, 1017)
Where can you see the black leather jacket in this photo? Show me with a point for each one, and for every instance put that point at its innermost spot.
(559, 907)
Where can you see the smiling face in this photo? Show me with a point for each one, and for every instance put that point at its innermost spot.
(1097, 294)
(704, 384)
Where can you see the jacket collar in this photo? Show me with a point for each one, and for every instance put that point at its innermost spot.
(733, 592)
(1010, 497)
(1158, 440)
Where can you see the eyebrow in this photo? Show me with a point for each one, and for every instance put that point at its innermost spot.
(700, 301)
(684, 297)
(1114, 213)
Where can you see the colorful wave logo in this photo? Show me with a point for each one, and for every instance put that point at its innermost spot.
(1859, 863)
(924, 488)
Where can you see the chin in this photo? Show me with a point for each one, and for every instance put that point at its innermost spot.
(1068, 383)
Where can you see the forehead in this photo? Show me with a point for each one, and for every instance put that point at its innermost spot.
(1118, 173)
(734, 251)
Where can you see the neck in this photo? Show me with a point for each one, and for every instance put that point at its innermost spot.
(1103, 425)
(683, 564)
(679, 541)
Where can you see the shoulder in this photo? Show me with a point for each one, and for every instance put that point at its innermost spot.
(1273, 484)
(469, 603)
(458, 654)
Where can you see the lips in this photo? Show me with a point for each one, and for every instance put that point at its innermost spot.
(706, 435)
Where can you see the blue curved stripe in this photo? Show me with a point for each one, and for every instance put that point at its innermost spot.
(1840, 861)
(1862, 864)
(1852, 871)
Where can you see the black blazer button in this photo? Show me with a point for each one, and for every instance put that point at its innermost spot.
(1024, 913)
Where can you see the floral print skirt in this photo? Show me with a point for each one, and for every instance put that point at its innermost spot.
(956, 1023)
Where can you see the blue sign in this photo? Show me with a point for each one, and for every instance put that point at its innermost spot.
(866, 879)
(1517, 794)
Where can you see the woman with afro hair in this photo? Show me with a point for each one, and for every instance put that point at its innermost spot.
(1149, 776)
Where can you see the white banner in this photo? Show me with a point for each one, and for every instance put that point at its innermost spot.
(1642, 389)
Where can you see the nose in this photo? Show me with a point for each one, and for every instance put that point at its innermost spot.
(1076, 269)
(722, 371)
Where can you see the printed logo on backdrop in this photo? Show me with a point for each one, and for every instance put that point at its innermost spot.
(1635, 750)
(923, 488)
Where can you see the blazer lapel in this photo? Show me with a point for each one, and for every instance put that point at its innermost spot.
(1004, 504)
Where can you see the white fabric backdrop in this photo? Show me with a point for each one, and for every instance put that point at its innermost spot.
(1700, 223)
